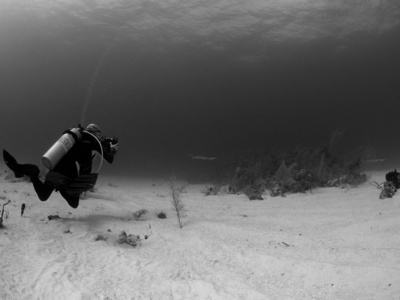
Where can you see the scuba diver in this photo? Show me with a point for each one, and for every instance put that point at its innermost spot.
(69, 162)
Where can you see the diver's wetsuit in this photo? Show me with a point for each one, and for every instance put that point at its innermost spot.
(77, 162)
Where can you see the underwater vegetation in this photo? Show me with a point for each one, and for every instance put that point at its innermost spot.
(296, 170)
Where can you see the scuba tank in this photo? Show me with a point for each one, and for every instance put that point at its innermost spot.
(51, 158)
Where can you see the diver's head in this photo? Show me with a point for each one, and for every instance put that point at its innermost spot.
(94, 129)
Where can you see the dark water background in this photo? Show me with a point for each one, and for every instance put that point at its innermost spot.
(220, 83)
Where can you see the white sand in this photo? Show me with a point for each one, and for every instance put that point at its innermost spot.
(329, 244)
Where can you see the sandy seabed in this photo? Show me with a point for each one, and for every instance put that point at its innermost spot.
(331, 243)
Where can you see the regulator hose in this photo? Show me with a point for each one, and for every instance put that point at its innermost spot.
(101, 149)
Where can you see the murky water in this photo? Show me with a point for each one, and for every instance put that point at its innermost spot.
(178, 78)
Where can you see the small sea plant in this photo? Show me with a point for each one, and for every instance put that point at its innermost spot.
(2, 213)
(137, 214)
(176, 200)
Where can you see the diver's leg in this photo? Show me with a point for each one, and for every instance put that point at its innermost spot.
(73, 200)
(43, 190)
(30, 170)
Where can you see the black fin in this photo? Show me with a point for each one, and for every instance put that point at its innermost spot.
(11, 162)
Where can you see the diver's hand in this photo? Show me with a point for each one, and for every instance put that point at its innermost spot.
(110, 144)
(114, 147)
(114, 144)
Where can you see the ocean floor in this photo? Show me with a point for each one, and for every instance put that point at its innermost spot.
(331, 243)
